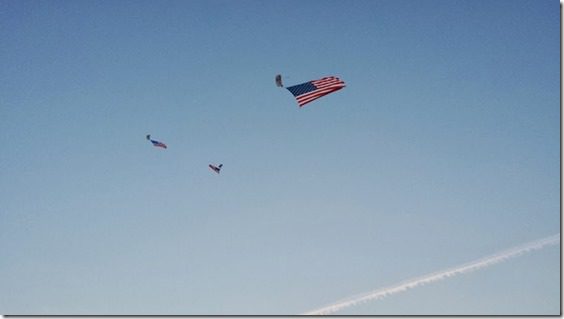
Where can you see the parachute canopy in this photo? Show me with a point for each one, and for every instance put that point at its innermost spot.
(312, 90)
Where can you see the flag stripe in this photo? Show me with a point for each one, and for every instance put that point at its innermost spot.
(312, 90)
(158, 144)
(319, 92)
(306, 98)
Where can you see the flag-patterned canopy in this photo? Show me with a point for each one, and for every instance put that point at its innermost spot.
(312, 90)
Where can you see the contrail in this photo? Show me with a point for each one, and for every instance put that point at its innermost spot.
(462, 269)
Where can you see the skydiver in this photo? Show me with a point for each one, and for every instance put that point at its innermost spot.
(215, 168)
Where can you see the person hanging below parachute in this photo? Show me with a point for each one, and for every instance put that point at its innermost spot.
(216, 168)
(312, 90)
(156, 143)
(278, 80)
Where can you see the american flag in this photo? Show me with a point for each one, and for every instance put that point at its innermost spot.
(312, 90)
(158, 144)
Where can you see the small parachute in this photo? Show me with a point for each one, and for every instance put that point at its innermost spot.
(278, 80)
(156, 143)
(215, 168)
(312, 90)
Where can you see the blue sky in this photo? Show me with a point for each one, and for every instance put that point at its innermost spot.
(444, 147)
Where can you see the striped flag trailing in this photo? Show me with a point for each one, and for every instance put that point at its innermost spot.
(312, 90)
(158, 144)
(155, 143)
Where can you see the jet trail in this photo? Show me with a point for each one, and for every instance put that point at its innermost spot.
(462, 269)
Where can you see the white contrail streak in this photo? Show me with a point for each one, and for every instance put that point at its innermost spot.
(462, 269)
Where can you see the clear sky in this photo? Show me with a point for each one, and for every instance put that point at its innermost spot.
(444, 147)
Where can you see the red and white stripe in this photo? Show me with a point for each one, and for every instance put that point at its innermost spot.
(324, 86)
